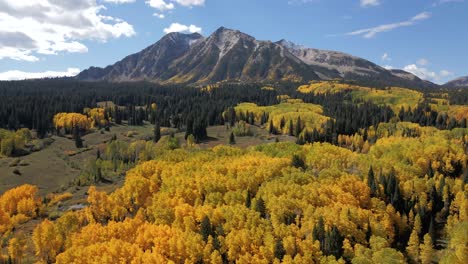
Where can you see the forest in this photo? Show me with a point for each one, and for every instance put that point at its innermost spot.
(339, 173)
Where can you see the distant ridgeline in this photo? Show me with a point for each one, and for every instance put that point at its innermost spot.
(232, 56)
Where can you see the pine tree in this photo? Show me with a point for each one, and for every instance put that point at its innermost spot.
(368, 231)
(371, 182)
(251, 118)
(117, 115)
(396, 199)
(260, 207)
(77, 137)
(232, 116)
(291, 128)
(232, 139)
(282, 123)
(98, 177)
(333, 244)
(298, 162)
(279, 250)
(318, 233)
(272, 128)
(431, 230)
(300, 140)
(157, 132)
(189, 127)
(298, 129)
(199, 130)
(206, 229)
(248, 199)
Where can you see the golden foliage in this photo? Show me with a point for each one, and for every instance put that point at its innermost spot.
(68, 121)
(11, 141)
(98, 116)
(289, 111)
(55, 198)
(394, 97)
(254, 198)
(18, 205)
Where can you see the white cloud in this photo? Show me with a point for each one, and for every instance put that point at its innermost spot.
(20, 75)
(161, 5)
(386, 57)
(423, 62)
(371, 32)
(17, 54)
(445, 73)
(190, 3)
(161, 16)
(29, 28)
(421, 72)
(165, 5)
(299, 2)
(119, 1)
(388, 67)
(421, 16)
(176, 27)
(441, 2)
(426, 74)
(368, 3)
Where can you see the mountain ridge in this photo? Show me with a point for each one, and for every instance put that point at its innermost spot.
(459, 82)
(233, 56)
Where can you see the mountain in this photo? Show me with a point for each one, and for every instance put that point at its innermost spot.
(351, 67)
(226, 55)
(146, 64)
(460, 82)
(230, 55)
(339, 62)
(410, 77)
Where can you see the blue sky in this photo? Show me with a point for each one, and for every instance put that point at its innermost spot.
(57, 37)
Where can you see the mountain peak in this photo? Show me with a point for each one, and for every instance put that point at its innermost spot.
(225, 29)
(224, 32)
(290, 45)
(231, 55)
(226, 39)
(177, 36)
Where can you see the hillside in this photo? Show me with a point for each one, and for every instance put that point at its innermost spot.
(395, 97)
(232, 56)
(460, 82)
(230, 173)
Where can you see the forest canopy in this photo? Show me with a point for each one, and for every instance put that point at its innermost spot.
(328, 173)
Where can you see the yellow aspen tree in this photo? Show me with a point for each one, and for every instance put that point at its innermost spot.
(16, 249)
(46, 241)
(348, 252)
(427, 250)
(413, 246)
(417, 224)
(215, 257)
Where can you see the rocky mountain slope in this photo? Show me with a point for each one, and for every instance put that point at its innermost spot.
(460, 82)
(230, 55)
